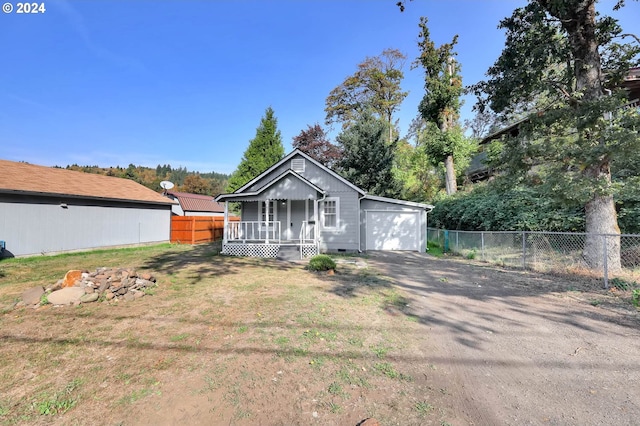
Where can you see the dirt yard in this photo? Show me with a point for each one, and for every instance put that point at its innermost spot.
(404, 338)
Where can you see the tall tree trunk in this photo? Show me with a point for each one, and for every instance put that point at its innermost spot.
(578, 18)
(450, 175)
(449, 169)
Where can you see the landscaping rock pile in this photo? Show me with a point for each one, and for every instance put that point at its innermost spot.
(105, 284)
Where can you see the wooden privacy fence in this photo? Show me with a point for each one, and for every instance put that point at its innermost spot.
(197, 229)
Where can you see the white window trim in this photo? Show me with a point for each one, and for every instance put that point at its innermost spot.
(337, 201)
(262, 211)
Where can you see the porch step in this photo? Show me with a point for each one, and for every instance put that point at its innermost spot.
(288, 253)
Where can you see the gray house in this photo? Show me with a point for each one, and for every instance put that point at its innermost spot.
(298, 202)
(50, 210)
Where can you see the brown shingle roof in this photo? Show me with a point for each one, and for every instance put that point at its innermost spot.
(197, 202)
(29, 178)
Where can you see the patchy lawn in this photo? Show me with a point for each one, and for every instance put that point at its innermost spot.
(221, 340)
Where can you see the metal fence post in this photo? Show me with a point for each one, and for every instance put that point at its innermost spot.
(457, 246)
(445, 248)
(604, 262)
(482, 243)
(524, 250)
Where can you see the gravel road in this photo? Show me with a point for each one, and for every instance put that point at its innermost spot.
(518, 348)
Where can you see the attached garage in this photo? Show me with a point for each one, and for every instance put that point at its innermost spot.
(393, 230)
(390, 224)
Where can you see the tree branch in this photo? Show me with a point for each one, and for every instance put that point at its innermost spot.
(630, 35)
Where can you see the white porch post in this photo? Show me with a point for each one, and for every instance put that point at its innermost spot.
(225, 228)
(316, 237)
(266, 222)
(290, 235)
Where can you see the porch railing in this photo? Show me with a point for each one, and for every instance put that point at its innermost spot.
(307, 233)
(253, 231)
(307, 236)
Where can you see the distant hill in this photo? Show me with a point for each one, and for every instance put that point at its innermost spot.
(185, 181)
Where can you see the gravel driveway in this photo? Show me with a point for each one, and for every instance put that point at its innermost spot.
(518, 348)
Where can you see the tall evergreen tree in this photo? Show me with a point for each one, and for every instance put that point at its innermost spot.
(264, 150)
(368, 157)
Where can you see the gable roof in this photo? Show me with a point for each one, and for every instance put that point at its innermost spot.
(24, 178)
(197, 202)
(270, 184)
(308, 158)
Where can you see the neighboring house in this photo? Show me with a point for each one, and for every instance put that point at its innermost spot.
(479, 171)
(195, 204)
(301, 203)
(49, 210)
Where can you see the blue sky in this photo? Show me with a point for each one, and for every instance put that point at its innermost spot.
(185, 82)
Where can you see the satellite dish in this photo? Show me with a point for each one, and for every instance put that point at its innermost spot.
(165, 184)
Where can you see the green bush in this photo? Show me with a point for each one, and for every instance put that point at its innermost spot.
(489, 207)
(321, 262)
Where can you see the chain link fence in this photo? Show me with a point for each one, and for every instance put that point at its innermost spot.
(603, 256)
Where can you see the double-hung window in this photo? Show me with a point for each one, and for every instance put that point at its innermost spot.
(267, 207)
(331, 212)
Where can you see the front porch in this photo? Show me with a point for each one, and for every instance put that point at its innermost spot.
(265, 239)
(282, 212)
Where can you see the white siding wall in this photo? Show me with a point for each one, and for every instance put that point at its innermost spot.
(381, 205)
(39, 226)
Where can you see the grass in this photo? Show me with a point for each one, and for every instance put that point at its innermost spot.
(423, 408)
(230, 334)
(435, 249)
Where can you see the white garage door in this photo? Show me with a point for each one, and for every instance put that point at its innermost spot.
(393, 230)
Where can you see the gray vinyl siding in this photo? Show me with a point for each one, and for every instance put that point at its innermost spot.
(345, 235)
(312, 173)
(290, 188)
(381, 205)
(39, 225)
(250, 211)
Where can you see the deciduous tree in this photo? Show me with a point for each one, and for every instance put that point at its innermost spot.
(440, 106)
(195, 184)
(564, 51)
(374, 86)
(314, 142)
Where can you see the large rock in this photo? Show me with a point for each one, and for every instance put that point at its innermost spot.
(33, 295)
(71, 277)
(66, 296)
(88, 298)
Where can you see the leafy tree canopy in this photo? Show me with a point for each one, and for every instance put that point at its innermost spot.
(561, 59)
(367, 158)
(443, 139)
(314, 142)
(374, 86)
